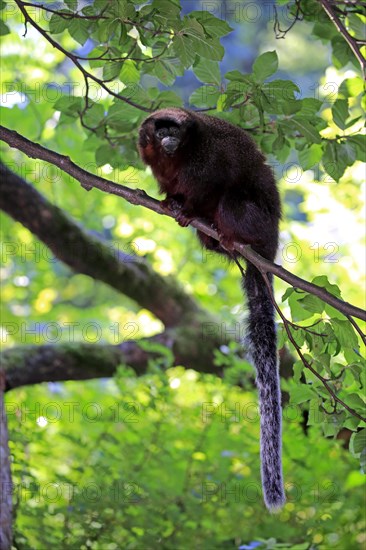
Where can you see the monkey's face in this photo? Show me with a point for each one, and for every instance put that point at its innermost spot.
(160, 136)
(169, 137)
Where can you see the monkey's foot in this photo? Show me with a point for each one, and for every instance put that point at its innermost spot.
(182, 219)
(170, 205)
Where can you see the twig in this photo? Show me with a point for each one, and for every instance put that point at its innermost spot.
(342, 29)
(75, 60)
(280, 33)
(357, 329)
(301, 355)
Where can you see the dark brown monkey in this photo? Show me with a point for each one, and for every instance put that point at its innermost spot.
(210, 169)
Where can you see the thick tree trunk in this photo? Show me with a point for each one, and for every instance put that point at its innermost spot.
(5, 475)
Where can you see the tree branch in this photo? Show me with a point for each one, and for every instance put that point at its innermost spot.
(139, 197)
(86, 254)
(327, 7)
(305, 362)
(28, 365)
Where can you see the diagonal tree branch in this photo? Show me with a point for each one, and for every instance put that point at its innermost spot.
(306, 363)
(86, 254)
(139, 197)
(327, 7)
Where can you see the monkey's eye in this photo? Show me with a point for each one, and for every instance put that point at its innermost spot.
(167, 131)
(162, 133)
(174, 131)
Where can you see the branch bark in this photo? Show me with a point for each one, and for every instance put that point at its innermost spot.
(86, 254)
(327, 7)
(28, 365)
(139, 197)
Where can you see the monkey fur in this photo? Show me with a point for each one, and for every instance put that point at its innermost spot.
(210, 169)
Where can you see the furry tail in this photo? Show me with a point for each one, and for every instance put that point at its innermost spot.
(263, 352)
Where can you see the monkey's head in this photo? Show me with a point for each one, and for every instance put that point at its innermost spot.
(165, 133)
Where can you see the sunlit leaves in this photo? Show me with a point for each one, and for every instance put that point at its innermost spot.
(340, 113)
(265, 65)
(358, 447)
(310, 156)
(207, 71)
(70, 105)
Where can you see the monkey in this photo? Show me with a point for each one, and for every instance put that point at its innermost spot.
(208, 168)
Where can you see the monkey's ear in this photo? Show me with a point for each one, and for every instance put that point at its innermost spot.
(143, 139)
(145, 133)
(188, 129)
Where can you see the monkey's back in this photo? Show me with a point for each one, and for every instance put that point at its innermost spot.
(225, 156)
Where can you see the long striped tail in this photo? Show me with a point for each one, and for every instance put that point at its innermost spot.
(263, 351)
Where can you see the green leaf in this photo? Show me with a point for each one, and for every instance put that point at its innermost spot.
(283, 153)
(351, 87)
(309, 107)
(166, 11)
(363, 461)
(184, 50)
(103, 155)
(213, 26)
(205, 96)
(322, 280)
(72, 4)
(324, 30)
(164, 71)
(123, 117)
(4, 29)
(58, 24)
(209, 48)
(265, 65)
(335, 160)
(310, 156)
(340, 113)
(267, 143)
(312, 303)
(342, 53)
(300, 394)
(279, 96)
(298, 369)
(344, 333)
(207, 71)
(306, 129)
(237, 76)
(354, 401)
(121, 9)
(79, 30)
(357, 25)
(129, 73)
(111, 70)
(359, 145)
(70, 105)
(169, 99)
(94, 115)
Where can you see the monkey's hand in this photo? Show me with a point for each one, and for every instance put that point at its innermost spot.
(175, 206)
(171, 204)
(182, 219)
